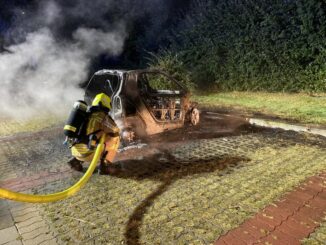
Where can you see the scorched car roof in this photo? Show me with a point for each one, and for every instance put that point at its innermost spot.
(111, 71)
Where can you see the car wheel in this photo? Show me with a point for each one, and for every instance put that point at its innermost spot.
(194, 116)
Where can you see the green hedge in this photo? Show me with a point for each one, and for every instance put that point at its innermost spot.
(250, 45)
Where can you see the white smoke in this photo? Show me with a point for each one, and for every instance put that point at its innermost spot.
(42, 74)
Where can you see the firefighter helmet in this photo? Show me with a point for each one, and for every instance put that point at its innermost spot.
(102, 100)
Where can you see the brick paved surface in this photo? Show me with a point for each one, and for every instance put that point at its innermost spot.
(9, 235)
(25, 169)
(191, 193)
(13, 126)
(287, 221)
(26, 225)
(318, 236)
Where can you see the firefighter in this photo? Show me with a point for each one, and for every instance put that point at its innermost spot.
(98, 122)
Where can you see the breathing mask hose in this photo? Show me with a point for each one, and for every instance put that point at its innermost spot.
(21, 197)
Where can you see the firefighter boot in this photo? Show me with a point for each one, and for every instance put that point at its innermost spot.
(75, 164)
(106, 168)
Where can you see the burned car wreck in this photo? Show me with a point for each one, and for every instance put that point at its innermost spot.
(144, 102)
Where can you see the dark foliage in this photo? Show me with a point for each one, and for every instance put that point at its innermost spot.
(272, 45)
(277, 45)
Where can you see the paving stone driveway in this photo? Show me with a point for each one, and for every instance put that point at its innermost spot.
(189, 193)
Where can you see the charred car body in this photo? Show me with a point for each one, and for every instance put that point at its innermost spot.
(144, 102)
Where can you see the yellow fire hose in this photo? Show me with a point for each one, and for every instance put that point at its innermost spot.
(21, 197)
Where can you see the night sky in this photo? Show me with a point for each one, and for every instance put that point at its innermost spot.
(148, 24)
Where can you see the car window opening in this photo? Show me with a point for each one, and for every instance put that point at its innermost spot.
(162, 96)
(106, 83)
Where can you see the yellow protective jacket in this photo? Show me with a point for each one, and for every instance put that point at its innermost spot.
(99, 123)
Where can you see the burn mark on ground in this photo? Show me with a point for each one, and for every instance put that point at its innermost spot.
(167, 169)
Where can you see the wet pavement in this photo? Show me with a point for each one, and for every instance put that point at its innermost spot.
(189, 186)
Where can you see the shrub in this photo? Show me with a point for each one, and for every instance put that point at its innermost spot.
(250, 45)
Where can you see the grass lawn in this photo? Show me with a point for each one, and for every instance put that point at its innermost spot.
(299, 107)
(10, 126)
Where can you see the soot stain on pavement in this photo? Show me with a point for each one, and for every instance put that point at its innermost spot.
(31, 153)
(138, 212)
(156, 163)
(167, 169)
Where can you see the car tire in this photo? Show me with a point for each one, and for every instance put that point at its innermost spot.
(194, 116)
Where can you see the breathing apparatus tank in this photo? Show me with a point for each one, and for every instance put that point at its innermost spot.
(74, 124)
